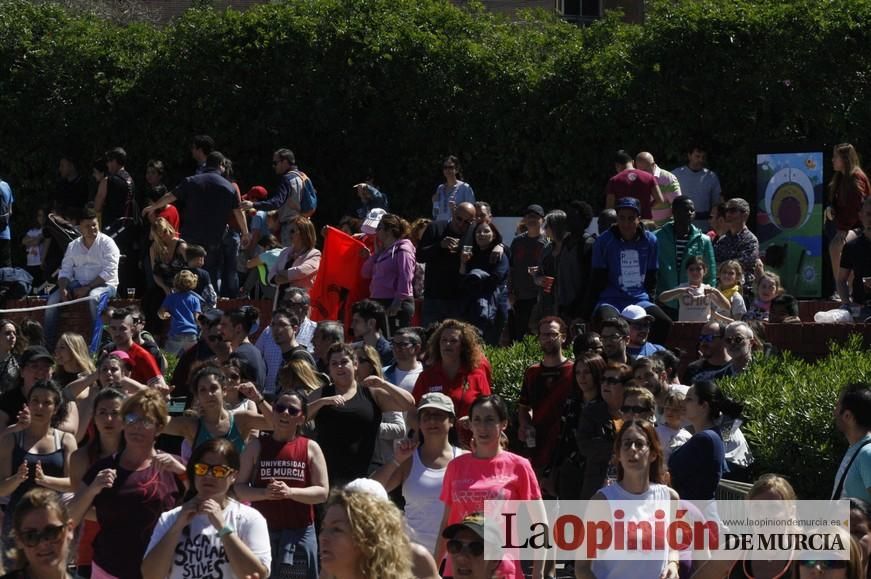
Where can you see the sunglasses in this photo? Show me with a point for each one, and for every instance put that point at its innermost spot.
(216, 470)
(824, 565)
(735, 341)
(33, 538)
(402, 344)
(635, 409)
(144, 421)
(472, 548)
(709, 337)
(282, 408)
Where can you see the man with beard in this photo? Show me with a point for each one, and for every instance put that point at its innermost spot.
(546, 385)
(714, 360)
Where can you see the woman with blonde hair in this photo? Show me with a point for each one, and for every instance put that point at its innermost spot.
(167, 258)
(72, 357)
(299, 375)
(847, 190)
(363, 536)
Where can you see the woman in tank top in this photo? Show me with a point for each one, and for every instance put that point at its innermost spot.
(640, 476)
(422, 476)
(214, 420)
(38, 454)
(347, 415)
(284, 475)
(104, 440)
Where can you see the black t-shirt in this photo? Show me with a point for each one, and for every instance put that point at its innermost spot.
(348, 434)
(252, 356)
(11, 403)
(70, 197)
(119, 191)
(857, 257)
(701, 370)
(442, 278)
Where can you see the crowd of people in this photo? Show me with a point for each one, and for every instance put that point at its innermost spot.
(308, 448)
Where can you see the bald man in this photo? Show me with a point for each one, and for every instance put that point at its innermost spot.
(669, 186)
(439, 249)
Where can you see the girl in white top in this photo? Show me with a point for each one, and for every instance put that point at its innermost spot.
(211, 534)
(640, 472)
(421, 478)
(697, 300)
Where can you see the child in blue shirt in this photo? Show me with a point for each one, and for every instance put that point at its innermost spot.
(181, 308)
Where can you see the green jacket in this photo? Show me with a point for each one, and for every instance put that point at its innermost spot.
(669, 277)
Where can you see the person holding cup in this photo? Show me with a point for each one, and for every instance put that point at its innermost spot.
(856, 262)
(439, 249)
(483, 271)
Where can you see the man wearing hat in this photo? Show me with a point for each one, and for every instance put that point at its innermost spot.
(625, 266)
(36, 364)
(526, 251)
(465, 545)
(639, 330)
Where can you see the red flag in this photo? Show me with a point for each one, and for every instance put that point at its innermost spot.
(339, 284)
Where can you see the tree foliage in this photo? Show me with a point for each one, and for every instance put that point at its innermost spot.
(534, 107)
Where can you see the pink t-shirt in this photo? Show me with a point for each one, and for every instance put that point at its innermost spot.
(469, 481)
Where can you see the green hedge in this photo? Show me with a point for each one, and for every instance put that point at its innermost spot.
(789, 407)
(535, 108)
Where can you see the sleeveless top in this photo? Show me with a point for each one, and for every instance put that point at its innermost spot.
(347, 435)
(647, 502)
(166, 271)
(233, 435)
(52, 464)
(423, 507)
(285, 461)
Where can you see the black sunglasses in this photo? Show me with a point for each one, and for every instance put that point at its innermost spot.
(282, 408)
(824, 564)
(472, 548)
(32, 537)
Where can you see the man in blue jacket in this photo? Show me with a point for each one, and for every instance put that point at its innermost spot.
(676, 241)
(625, 263)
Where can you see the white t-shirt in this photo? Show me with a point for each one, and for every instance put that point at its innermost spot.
(694, 306)
(200, 553)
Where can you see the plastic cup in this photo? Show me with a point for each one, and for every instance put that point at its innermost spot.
(467, 249)
(548, 284)
(131, 293)
(532, 269)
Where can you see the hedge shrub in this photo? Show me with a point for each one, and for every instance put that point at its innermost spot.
(535, 108)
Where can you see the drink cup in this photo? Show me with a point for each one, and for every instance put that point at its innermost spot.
(547, 285)
(131, 293)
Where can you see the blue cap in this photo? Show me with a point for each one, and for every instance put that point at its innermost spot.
(628, 203)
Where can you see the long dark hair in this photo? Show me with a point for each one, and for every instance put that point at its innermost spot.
(718, 403)
(60, 408)
(95, 445)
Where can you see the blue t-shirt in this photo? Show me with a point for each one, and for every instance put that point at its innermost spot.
(184, 307)
(6, 192)
(858, 479)
(627, 263)
(647, 350)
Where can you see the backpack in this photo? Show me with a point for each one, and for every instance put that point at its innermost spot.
(308, 198)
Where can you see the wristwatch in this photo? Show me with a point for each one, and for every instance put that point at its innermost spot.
(227, 530)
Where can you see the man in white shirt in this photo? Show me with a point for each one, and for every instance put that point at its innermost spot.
(406, 368)
(89, 269)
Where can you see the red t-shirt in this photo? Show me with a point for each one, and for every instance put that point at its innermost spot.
(545, 390)
(463, 389)
(469, 481)
(634, 183)
(144, 368)
(287, 462)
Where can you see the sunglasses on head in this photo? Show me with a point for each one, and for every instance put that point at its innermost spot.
(282, 408)
(33, 537)
(472, 548)
(216, 470)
